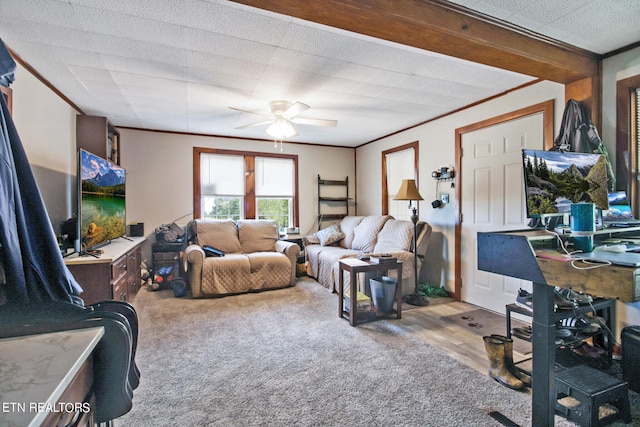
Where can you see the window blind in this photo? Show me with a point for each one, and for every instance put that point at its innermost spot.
(221, 175)
(636, 115)
(274, 177)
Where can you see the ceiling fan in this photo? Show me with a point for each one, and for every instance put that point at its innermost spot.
(283, 114)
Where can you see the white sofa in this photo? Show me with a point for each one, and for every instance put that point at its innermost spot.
(364, 235)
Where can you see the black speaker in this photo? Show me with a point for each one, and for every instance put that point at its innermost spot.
(631, 356)
(136, 229)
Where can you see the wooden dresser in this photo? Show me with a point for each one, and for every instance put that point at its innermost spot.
(114, 274)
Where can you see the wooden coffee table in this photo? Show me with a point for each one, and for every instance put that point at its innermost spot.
(355, 266)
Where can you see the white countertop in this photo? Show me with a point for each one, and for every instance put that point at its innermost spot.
(111, 252)
(36, 369)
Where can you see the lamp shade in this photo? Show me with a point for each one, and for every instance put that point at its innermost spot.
(408, 191)
(281, 129)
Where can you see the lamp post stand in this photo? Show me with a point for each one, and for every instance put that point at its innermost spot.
(415, 298)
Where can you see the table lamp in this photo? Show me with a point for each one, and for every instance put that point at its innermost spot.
(408, 191)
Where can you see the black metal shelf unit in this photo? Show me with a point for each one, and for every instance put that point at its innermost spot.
(328, 202)
(602, 307)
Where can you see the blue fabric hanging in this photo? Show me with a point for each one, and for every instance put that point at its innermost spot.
(7, 66)
(29, 254)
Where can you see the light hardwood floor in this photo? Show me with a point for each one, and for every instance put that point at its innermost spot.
(464, 345)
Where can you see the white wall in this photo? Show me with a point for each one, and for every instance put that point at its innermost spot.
(160, 174)
(46, 125)
(617, 68)
(437, 148)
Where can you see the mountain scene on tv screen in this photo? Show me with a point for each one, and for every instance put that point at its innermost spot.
(103, 201)
(110, 183)
(555, 180)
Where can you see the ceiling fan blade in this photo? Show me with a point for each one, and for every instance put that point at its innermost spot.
(250, 125)
(295, 109)
(250, 112)
(315, 122)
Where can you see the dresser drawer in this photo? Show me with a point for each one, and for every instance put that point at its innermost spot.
(119, 268)
(120, 289)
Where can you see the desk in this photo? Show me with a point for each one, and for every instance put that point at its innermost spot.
(355, 266)
(48, 377)
(496, 254)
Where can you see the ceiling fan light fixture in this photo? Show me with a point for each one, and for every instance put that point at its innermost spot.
(281, 129)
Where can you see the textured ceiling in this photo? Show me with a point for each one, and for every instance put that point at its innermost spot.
(178, 65)
(600, 26)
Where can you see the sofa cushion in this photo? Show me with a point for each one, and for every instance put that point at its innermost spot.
(229, 274)
(347, 225)
(257, 235)
(395, 236)
(269, 270)
(220, 234)
(365, 234)
(330, 235)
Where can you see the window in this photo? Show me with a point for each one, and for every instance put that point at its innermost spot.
(221, 186)
(275, 190)
(239, 185)
(636, 127)
(628, 139)
(397, 164)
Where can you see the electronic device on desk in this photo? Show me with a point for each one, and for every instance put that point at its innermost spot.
(625, 259)
(551, 179)
(619, 214)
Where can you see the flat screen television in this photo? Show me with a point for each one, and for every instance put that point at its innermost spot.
(554, 180)
(101, 196)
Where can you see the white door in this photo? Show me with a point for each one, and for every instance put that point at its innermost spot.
(493, 200)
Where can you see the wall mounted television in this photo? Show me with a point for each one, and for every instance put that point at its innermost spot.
(554, 180)
(102, 201)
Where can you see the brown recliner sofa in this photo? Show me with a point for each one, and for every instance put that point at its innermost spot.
(253, 259)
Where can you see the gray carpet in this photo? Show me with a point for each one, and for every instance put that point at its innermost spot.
(284, 358)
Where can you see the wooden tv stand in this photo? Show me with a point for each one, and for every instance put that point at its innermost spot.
(114, 274)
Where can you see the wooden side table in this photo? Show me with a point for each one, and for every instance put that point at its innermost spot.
(355, 266)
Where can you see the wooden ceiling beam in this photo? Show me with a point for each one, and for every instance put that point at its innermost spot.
(448, 29)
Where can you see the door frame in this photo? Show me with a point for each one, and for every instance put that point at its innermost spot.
(547, 110)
